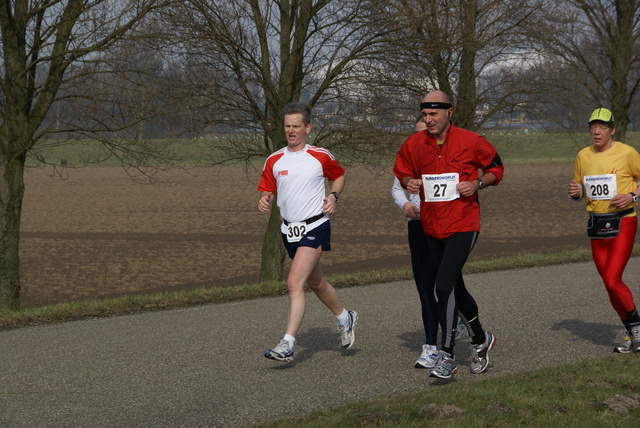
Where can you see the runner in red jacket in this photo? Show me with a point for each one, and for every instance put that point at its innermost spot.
(442, 166)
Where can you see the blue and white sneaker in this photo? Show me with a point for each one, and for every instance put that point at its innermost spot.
(428, 357)
(282, 352)
(347, 334)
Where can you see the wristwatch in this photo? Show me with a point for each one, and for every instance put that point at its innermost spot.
(335, 195)
(634, 196)
(480, 184)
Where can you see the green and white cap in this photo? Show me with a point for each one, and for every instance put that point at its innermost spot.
(603, 115)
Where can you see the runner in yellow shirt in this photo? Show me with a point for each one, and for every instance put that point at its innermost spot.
(606, 175)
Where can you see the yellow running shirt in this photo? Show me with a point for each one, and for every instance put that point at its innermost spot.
(606, 174)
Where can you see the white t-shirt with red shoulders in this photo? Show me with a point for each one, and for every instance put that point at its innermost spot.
(298, 178)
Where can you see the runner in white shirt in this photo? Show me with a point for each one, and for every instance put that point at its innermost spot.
(297, 173)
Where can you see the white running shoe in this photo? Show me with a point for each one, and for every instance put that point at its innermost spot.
(428, 357)
(347, 333)
(282, 352)
(626, 346)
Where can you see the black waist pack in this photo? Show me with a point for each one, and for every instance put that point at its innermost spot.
(605, 226)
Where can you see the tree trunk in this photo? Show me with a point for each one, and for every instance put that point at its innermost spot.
(11, 194)
(273, 251)
(623, 44)
(467, 91)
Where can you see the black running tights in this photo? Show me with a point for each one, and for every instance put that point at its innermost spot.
(449, 256)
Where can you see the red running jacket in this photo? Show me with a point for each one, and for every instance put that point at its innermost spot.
(463, 152)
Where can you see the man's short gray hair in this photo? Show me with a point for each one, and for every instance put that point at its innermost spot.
(298, 108)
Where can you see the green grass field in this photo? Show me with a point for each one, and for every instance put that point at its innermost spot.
(514, 147)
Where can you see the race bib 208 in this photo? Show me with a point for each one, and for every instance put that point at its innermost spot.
(600, 187)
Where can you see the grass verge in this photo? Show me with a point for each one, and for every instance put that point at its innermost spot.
(142, 303)
(599, 392)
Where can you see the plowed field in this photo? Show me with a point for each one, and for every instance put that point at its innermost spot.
(97, 233)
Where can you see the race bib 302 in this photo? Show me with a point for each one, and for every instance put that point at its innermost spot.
(295, 231)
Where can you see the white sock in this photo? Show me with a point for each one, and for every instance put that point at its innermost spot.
(343, 318)
(289, 339)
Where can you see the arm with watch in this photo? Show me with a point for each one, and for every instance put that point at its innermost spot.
(469, 188)
(486, 180)
(623, 200)
(334, 194)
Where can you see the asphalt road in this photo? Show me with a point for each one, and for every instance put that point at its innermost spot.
(203, 366)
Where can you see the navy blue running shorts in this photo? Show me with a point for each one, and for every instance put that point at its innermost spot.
(320, 236)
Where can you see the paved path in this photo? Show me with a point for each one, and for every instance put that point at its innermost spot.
(203, 366)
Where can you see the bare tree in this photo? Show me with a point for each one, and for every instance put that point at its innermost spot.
(596, 44)
(265, 54)
(42, 41)
(471, 49)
